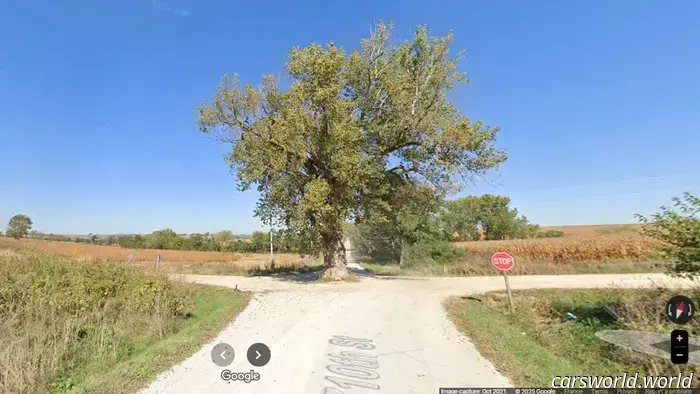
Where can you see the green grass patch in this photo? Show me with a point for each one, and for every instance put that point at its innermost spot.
(538, 341)
(213, 310)
(79, 326)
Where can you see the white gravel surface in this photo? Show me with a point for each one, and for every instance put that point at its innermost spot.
(404, 342)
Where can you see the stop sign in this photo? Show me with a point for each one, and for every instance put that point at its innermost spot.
(503, 261)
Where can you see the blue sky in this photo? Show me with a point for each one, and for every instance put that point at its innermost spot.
(598, 102)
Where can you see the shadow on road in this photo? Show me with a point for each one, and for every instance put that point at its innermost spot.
(314, 276)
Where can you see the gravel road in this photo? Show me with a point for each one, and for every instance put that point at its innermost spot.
(380, 335)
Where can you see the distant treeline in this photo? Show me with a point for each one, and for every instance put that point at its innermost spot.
(223, 241)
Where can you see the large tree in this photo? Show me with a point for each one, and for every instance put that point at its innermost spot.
(350, 133)
(19, 226)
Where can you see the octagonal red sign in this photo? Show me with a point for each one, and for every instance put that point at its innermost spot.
(503, 261)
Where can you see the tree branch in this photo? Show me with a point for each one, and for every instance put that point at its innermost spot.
(396, 147)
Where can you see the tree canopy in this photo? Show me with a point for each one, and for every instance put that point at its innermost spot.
(488, 216)
(353, 137)
(19, 226)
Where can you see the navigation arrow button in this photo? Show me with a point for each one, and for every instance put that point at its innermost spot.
(258, 354)
(222, 354)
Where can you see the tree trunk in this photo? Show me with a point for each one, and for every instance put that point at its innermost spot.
(334, 257)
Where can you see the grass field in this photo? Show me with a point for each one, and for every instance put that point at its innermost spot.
(79, 325)
(538, 342)
(173, 261)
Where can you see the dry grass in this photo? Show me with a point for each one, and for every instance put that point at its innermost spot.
(174, 261)
(95, 326)
(58, 314)
(242, 260)
(595, 243)
(570, 250)
(598, 230)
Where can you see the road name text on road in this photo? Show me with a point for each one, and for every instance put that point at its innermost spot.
(356, 369)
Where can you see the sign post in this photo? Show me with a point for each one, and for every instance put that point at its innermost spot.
(504, 262)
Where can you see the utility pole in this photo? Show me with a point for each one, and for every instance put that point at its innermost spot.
(272, 254)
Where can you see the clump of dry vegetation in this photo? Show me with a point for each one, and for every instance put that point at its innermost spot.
(59, 314)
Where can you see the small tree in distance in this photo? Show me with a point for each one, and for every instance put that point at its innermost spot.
(490, 214)
(19, 226)
(680, 233)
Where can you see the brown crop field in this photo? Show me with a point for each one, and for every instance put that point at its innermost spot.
(571, 249)
(241, 260)
(599, 230)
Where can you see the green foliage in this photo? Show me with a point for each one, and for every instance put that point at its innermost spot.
(487, 214)
(177, 243)
(549, 234)
(351, 134)
(284, 241)
(58, 313)
(19, 226)
(419, 232)
(49, 281)
(427, 252)
(260, 240)
(131, 241)
(680, 233)
(160, 239)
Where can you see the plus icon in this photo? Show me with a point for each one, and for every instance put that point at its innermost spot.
(680, 347)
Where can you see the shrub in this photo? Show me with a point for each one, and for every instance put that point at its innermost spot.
(550, 234)
(679, 232)
(431, 252)
(57, 312)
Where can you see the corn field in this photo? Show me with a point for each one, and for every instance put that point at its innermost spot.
(570, 250)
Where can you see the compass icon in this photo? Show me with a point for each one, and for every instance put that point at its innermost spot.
(680, 309)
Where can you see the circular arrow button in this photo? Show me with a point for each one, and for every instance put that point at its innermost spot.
(222, 354)
(680, 309)
(258, 354)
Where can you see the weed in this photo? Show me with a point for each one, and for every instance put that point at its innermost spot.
(62, 318)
